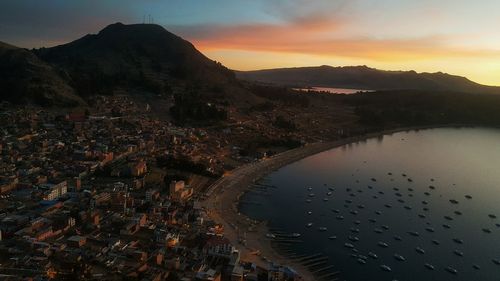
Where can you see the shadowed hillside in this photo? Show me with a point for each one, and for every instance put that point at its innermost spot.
(362, 77)
(25, 77)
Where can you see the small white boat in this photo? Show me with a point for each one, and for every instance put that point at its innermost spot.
(372, 255)
(309, 224)
(383, 244)
(420, 250)
(322, 228)
(429, 266)
(399, 257)
(386, 268)
(451, 270)
(270, 235)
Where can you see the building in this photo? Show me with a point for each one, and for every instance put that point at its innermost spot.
(54, 191)
(179, 192)
(219, 247)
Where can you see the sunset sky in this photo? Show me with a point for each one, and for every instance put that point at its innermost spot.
(455, 36)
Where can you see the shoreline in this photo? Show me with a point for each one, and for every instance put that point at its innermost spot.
(223, 196)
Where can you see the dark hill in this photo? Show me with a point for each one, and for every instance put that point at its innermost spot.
(138, 56)
(362, 77)
(24, 77)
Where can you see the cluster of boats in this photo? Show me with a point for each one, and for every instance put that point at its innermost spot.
(362, 259)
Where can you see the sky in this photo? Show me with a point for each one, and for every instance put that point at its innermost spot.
(455, 36)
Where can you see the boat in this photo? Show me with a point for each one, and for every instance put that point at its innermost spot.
(432, 187)
(385, 268)
(446, 226)
(458, 253)
(348, 201)
(331, 189)
(388, 205)
(354, 230)
(398, 238)
(309, 188)
(309, 213)
(468, 196)
(399, 257)
(372, 220)
(429, 266)
(333, 237)
(361, 206)
(378, 230)
(407, 207)
(322, 228)
(308, 200)
(353, 212)
(429, 229)
(311, 195)
(476, 267)
(372, 255)
(361, 261)
(427, 193)
(422, 216)
(492, 216)
(362, 257)
(413, 233)
(383, 244)
(385, 227)
(498, 224)
(325, 199)
(357, 222)
(451, 270)
(354, 256)
(340, 217)
(373, 179)
(370, 187)
(336, 211)
(270, 235)
(486, 230)
(353, 238)
(458, 213)
(448, 218)
(295, 235)
(496, 261)
(425, 202)
(349, 245)
(420, 250)
(329, 193)
(378, 212)
(309, 224)
(401, 200)
(458, 241)
(453, 201)
(435, 242)
(398, 194)
(410, 180)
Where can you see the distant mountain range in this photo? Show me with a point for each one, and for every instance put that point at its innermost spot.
(137, 57)
(363, 77)
(146, 58)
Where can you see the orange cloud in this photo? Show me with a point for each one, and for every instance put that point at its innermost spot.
(320, 35)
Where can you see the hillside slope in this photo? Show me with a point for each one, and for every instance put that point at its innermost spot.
(24, 77)
(362, 77)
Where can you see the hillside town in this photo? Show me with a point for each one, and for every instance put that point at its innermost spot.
(115, 193)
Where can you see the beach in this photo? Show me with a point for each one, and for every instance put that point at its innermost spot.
(223, 197)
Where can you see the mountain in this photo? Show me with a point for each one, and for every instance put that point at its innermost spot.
(140, 56)
(363, 77)
(135, 58)
(23, 77)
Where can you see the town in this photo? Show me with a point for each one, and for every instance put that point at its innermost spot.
(115, 192)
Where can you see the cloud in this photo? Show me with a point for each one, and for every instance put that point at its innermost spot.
(320, 35)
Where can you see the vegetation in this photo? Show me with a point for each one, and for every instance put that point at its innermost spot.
(282, 94)
(189, 106)
(412, 108)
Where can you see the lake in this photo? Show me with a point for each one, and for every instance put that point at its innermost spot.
(424, 202)
(332, 90)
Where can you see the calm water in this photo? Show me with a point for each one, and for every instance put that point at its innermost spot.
(333, 90)
(456, 162)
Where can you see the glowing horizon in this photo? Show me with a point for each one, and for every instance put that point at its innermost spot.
(457, 37)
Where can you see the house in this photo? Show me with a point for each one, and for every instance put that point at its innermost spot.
(219, 247)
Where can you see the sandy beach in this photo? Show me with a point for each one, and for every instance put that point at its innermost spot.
(223, 196)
